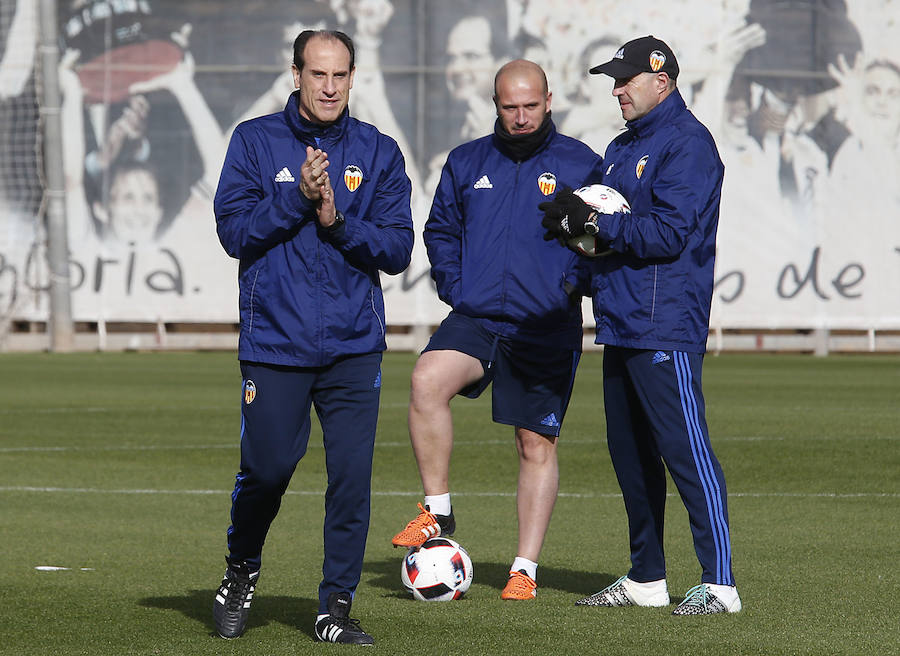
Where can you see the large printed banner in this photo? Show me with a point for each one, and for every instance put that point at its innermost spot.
(802, 96)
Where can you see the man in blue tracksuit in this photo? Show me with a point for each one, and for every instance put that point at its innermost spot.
(314, 204)
(651, 303)
(513, 324)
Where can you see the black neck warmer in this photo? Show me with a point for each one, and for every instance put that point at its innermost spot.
(520, 147)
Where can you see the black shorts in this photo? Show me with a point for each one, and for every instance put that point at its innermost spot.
(532, 385)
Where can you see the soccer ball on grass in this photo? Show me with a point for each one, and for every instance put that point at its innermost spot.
(439, 570)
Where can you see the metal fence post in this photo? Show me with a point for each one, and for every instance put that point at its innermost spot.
(60, 324)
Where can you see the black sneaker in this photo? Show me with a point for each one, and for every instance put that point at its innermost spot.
(337, 625)
(232, 604)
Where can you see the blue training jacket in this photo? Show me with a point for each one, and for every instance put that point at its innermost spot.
(485, 241)
(309, 296)
(655, 291)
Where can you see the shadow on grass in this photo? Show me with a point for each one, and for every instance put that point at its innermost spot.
(386, 575)
(295, 612)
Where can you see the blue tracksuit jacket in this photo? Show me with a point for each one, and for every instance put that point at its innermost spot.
(655, 292)
(485, 241)
(308, 297)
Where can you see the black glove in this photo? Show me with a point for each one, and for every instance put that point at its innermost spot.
(565, 216)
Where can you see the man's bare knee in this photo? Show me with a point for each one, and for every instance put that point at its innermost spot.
(440, 375)
(535, 448)
(427, 388)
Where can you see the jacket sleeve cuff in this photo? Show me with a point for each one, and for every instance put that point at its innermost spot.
(298, 204)
(609, 226)
(336, 233)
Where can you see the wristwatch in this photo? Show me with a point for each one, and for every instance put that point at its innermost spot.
(338, 221)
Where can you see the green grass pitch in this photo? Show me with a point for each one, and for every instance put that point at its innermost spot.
(119, 468)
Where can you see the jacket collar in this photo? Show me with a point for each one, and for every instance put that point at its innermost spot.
(660, 115)
(309, 132)
(521, 148)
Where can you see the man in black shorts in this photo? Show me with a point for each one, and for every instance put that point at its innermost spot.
(516, 319)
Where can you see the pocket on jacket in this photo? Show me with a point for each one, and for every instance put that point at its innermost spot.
(376, 298)
(249, 288)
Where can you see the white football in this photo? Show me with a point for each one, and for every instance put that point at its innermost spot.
(439, 570)
(605, 200)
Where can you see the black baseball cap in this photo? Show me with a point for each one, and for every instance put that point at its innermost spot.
(644, 55)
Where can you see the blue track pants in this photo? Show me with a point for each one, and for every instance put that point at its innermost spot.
(275, 427)
(655, 418)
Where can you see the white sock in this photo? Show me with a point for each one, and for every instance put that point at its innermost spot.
(439, 504)
(529, 566)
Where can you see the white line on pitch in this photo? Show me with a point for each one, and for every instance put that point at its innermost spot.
(314, 443)
(124, 447)
(397, 493)
(78, 409)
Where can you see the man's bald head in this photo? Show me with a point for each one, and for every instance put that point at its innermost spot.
(521, 96)
(524, 71)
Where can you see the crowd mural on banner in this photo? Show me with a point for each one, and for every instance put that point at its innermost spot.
(802, 96)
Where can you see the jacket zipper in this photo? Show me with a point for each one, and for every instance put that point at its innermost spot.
(507, 227)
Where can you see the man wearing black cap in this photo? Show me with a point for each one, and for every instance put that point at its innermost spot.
(651, 304)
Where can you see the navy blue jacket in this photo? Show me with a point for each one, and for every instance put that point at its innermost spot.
(485, 240)
(309, 296)
(655, 291)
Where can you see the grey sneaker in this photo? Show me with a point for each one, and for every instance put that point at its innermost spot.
(624, 592)
(700, 600)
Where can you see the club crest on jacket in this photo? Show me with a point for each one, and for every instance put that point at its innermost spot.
(639, 169)
(547, 183)
(353, 177)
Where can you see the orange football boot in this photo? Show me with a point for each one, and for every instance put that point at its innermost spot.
(425, 526)
(519, 587)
